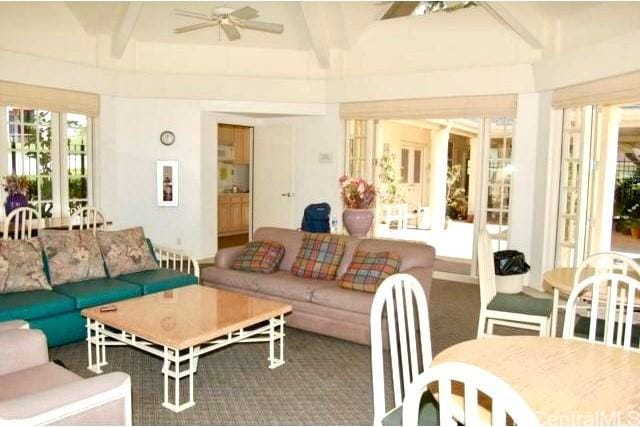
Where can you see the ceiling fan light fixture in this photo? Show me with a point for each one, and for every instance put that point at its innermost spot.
(228, 20)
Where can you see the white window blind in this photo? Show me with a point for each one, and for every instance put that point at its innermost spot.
(49, 99)
(622, 89)
(442, 108)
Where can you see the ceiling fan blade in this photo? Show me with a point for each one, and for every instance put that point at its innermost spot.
(195, 27)
(231, 31)
(190, 14)
(245, 13)
(262, 26)
(399, 9)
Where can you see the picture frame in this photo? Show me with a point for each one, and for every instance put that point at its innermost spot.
(167, 182)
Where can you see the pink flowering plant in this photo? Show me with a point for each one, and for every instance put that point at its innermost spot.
(357, 193)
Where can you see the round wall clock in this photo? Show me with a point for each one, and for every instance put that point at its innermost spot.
(167, 137)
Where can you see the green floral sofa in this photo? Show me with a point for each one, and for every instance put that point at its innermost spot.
(54, 299)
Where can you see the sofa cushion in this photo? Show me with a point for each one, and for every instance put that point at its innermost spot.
(291, 239)
(72, 255)
(343, 299)
(94, 292)
(260, 256)
(368, 269)
(412, 254)
(33, 304)
(159, 280)
(319, 256)
(126, 251)
(285, 285)
(21, 266)
(232, 278)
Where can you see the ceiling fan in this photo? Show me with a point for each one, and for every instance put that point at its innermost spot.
(229, 20)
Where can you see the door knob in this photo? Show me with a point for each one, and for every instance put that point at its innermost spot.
(288, 194)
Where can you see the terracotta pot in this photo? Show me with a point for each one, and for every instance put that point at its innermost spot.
(635, 232)
(357, 221)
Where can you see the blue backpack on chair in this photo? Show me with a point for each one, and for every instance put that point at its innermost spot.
(316, 218)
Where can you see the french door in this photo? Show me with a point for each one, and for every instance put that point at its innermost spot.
(412, 174)
(577, 165)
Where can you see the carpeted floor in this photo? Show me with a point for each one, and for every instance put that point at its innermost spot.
(325, 381)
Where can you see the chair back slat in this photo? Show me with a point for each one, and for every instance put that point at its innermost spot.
(402, 335)
(615, 293)
(23, 221)
(88, 218)
(505, 402)
(398, 300)
(395, 364)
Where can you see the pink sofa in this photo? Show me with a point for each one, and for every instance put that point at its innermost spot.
(319, 306)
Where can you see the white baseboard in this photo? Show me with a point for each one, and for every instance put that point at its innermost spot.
(455, 277)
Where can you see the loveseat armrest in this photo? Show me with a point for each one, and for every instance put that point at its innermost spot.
(21, 349)
(225, 257)
(13, 324)
(105, 400)
(424, 276)
(178, 260)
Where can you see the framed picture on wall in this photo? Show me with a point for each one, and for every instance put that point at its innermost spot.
(167, 182)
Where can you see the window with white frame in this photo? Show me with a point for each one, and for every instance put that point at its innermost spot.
(358, 149)
(53, 150)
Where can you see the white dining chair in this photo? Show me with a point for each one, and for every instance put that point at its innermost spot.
(605, 262)
(515, 310)
(397, 302)
(87, 218)
(507, 407)
(19, 224)
(610, 313)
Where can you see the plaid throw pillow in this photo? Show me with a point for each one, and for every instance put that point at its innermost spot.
(319, 256)
(368, 269)
(260, 256)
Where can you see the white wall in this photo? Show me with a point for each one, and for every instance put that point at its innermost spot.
(129, 148)
(316, 181)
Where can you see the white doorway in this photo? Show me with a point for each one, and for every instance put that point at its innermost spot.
(273, 176)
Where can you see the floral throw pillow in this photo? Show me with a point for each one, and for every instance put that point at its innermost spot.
(72, 255)
(368, 269)
(21, 266)
(260, 256)
(126, 251)
(319, 256)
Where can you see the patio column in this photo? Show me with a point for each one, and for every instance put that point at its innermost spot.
(438, 177)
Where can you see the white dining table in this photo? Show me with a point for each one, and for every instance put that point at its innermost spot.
(564, 381)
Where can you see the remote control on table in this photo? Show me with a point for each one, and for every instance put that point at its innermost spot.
(108, 308)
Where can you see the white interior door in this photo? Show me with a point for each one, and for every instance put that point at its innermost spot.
(273, 185)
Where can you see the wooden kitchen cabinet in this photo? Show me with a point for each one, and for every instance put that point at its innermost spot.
(226, 134)
(233, 214)
(242, 145)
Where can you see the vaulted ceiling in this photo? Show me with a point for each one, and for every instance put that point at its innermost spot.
(320, 39)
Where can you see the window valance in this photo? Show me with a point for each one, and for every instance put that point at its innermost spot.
(621, 89)
(51, 99)
(440, 108)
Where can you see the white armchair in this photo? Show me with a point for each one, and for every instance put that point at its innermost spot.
(35, 391)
